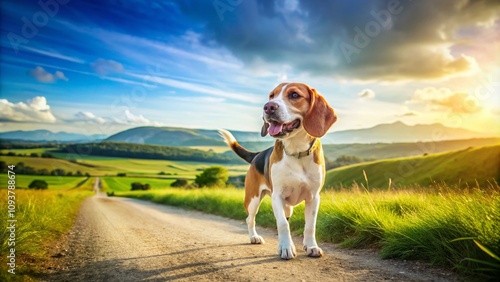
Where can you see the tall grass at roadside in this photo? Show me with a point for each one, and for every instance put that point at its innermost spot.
(417, 224)
(42, 217)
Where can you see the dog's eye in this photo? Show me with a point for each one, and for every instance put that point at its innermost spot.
(294, 95)
(271, 96)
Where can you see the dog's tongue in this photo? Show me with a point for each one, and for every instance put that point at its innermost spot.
(274, 128)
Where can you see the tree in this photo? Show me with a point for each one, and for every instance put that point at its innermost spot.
(34, 155)
(140, 186)
(58, 172)
(181, 182)
(47, 155)
(38, 184)
(212, 176)
(3, 166)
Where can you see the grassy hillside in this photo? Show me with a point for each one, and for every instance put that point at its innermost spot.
(99, 165)
(463, 167)
(381, 151)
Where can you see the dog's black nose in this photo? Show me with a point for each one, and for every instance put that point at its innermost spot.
(270, 108)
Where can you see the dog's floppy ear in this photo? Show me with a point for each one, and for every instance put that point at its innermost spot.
(320, 116)
(263, 131)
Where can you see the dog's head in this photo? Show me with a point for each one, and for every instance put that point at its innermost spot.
(293, 107)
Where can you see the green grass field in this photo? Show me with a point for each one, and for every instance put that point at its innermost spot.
(55, 182)
(52, 163)
(473, 166)
(101, 166)
(124, 183)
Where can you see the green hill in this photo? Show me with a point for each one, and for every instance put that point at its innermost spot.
(463, 167)
(379, 151)
(141, 151)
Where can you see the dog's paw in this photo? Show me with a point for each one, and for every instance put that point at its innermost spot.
(257, 240)
(287, 251)
(313, 251)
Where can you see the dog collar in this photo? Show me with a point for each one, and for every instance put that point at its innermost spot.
(303, 153)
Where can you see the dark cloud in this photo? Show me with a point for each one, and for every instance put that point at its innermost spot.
(388, 40)
(41, 75)
(104, 67)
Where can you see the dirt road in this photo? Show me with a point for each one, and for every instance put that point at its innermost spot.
(118, 239)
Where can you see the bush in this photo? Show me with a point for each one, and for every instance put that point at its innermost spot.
(181, 182)
(47, 155)
(140, 186)
(38, 184)
(212, 176)
(58, 172)
(121, 174)
(34, 155)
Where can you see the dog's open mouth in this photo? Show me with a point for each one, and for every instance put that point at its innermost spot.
(277, 129)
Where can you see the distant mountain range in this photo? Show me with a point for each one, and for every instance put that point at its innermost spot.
(45, 135)
(172, 136)
(400, 132)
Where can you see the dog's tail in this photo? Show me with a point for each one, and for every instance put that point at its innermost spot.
(237, 148)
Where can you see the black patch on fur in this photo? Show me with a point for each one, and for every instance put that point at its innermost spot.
(261, 161)
(243, 153)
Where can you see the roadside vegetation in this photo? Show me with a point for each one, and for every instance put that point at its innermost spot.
(43, 216)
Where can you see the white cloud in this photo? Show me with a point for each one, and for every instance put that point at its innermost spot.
(89, 117)
(366, 94)
(60, 75)
(128, 118)
(137, 119)
(34, 110)
(197, 88)
(104, 67)
(439, 99)
(54, 55)
(41, 75)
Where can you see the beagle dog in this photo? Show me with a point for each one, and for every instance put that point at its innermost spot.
(294, 169)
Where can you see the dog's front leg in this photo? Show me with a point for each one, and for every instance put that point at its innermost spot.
(286, 248)
(311, 213)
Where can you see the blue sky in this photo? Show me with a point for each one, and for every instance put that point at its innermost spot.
(105, 66)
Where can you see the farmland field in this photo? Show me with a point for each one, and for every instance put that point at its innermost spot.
(216, 149)
(124, 183)
(101, 166)
(55, 182)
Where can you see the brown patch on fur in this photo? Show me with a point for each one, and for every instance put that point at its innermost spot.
(253, 181)
(320, 116)
(318, 156)
(277, 154)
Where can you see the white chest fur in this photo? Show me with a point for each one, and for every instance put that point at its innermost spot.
(295, 179)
